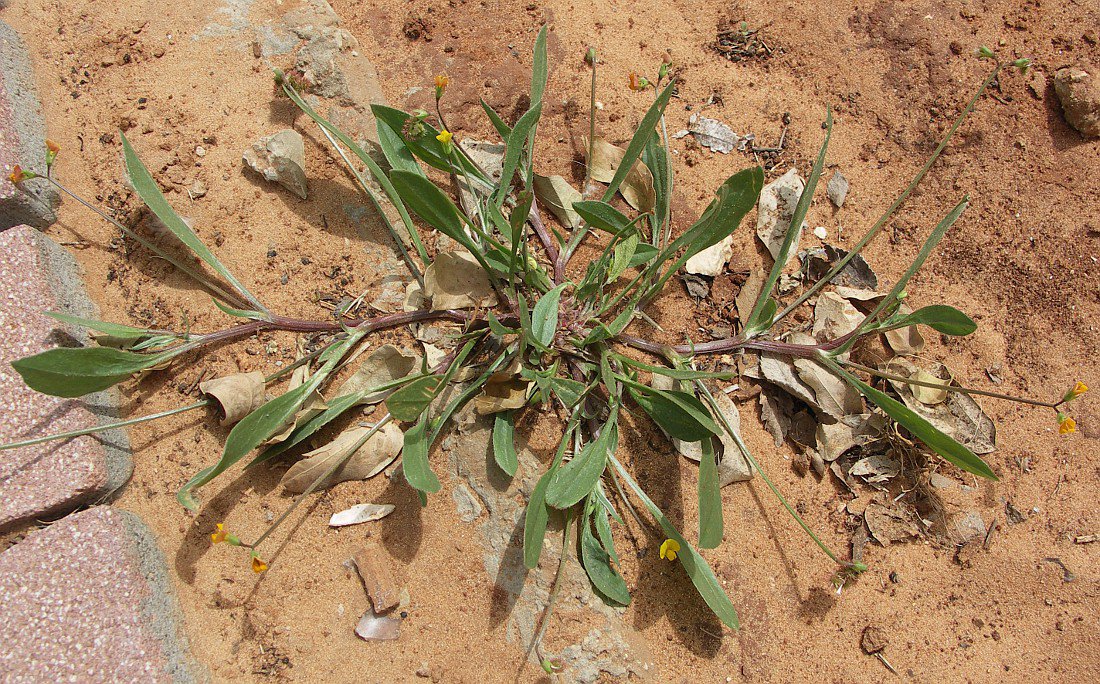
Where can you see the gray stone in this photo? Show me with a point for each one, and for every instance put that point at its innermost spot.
(1079, 93)
(837, 189)
(22, 139)
(466, 504)
(53, 478)
(611, 646)
(280, 158)
(88, 599)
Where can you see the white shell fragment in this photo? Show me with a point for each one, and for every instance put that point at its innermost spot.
(360, 513)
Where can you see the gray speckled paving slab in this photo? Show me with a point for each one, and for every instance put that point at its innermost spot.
(87, 599)
(53, 478)
(22, 139)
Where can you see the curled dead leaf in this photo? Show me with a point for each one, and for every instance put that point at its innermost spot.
(360, 513)
(367, 461)
(237, 395)
(455, 280)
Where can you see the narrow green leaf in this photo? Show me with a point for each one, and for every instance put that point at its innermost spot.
(544, 317)
(76, 371)
(697, 569)
(429, 203)
(240, 313)
(150, 193)
(410, 401)
(336, 408)
(941, 318)
(603, 530)
(656, 158)
(426, 147)
(535, 520)
(639, 141)
(503, 129)
(504, 443)
(710, 498)
(568, 390)
(920, 428)
(608, 583)
(123, 332)
(395, 149)
(757, 320)
(576, 479)
(414, 459)
(678, 413)
(623, 255)
(602, 215)
(733, 200)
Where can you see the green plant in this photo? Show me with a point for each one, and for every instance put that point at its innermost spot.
(554, 335)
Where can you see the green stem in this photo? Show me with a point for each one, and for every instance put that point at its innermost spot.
(948, 388)
(537, 643)
(105, 426)
(836, 269)
(858, 567)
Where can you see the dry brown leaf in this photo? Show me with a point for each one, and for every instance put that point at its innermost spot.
(888, 525)
(776, 408)
(960, 416)
(637, 188)
(386, 364)
(834, 317)
(556, 193)
(927, 395)
(905, 341)
(237, 395)
(749, 293)
(313, 405)
(778, 200)
(779, 370)
(456, 281)
(369, 460)
(834, 396)
(876, 468)
(501, 396)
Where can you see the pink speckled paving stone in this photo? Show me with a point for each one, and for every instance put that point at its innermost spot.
(87, 599)
(53, 478)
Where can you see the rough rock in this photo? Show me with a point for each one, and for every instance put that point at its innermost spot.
(53, 478)
(776, 208)
(280, 158)
(1079, 93)
(22, 139)
(611, 646)
(466, 504)
(88, 599)
(837, 189)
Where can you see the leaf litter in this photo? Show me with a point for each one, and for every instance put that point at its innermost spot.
(237, 395)
(366, 462)
(637, 189)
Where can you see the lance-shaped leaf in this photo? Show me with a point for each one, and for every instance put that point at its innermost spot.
(150, 193)
(544, 317)
(941, 318)
(414, 459)
(920, 428)
(74, 372)
(577, 479)
(504, 443)
(597, 563)
(710, 498)
(697, 569)
(678, 413)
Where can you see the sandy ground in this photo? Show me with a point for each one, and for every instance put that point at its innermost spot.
(1022, 261)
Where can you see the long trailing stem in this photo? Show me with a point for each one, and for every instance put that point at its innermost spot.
(106, 426)
(858, 567)
(184, 268)
(536, 643)
(948, 388)
(874, 230)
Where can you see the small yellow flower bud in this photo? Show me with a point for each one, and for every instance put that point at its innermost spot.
(445, 137)
(1066, 425)
(441, 83)
(258, 565)
(1078, 389)
(669, 549)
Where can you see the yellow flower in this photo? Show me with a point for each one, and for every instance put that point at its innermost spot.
(18, 175)
(669, 549)
(1078, 389)
(221, 535)
(52, 148)
(445, 137)
(638, 82)
(1066, 425)
(441, 82)
(258, 565)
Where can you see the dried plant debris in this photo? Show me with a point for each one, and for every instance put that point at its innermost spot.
(360, 513)
(876, 468)
(889, 525)
(833, 396)
(712, 260)
(959, 417)
(834, 317)
(375, 569)
(716, 136)
(837, 189)
(776, 408)
(555, 193)
(697, 286)
(237, 395)
(740, 43)
(385, 365)
(857, 273)
(778, 200)
(456, 281)
(369, 458)
(637, 189)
